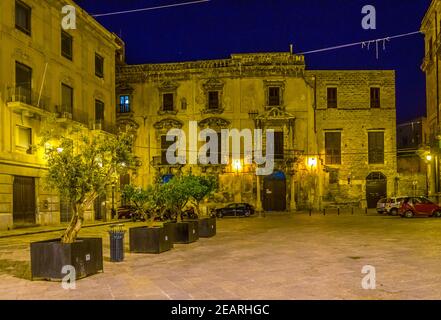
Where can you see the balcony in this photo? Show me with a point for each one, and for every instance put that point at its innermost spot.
(167, 111)
(104, 126)
(27, 102)
(159, 162)
(124, 110)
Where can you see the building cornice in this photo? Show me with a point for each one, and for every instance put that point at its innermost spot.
(239, 65)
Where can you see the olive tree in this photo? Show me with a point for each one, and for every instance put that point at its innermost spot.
(81, 166)
(146, 201)
(175, 195)
(200, 188)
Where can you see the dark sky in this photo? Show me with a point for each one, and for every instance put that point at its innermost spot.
(218, 28)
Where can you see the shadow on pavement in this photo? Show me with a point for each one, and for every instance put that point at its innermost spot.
(18, 269)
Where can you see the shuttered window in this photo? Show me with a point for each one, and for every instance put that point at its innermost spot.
(376, 147)
(333, 147)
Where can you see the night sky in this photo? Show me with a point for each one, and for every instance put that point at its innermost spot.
(215, 29)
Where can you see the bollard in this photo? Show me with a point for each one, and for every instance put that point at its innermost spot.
(338, 211)
(116, 234)
(324, 212)
(310, 212)
(365, 210)
(352, 210)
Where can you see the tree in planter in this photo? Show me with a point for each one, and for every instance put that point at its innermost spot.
(175, 195)
(199, 189)
(144, 200)
(82, 166)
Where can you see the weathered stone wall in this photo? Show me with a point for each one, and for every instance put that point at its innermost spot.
(39, 50)
(354, 119)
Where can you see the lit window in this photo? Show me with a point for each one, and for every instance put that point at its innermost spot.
(124, 104)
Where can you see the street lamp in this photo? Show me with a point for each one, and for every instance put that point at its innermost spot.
(429, 157)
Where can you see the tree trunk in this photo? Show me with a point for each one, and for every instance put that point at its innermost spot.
(198, 208)
(71, 233)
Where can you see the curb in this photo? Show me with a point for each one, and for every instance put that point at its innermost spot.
(61, 229)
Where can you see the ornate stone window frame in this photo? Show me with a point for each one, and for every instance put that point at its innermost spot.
(168, 87)
(211, 85)
(216, 124)
(271, 84)
(124, 89)
(163, 126)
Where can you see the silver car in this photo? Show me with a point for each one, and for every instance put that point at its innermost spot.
(381, 205)
(393, 205)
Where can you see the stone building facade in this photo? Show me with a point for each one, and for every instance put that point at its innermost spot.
(335, 141)
(431, 28)
(413, 165)
(46, 71)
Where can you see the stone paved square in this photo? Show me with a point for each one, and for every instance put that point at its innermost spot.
(281, 256)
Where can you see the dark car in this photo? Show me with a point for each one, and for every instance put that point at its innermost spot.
(419, 206)
(130, 212)
(235, 209)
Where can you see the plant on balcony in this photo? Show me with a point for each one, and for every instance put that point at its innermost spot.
(82, 166)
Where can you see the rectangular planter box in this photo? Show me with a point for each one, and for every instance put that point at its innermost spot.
(207, 227)
(150, 240)
(185, 231)
(49, 257)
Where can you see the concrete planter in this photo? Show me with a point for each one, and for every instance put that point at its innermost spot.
(49, 257)
(207, 227)
(185, 231)
(150, 240)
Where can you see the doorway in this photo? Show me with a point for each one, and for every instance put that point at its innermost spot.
(274, 192)
(24, 204)
(376, 188)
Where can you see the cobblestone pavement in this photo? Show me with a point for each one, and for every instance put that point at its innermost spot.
(281, 256)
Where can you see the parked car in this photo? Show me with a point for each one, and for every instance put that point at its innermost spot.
(393, 205)
(381, 205)
(419, 206)
(126, 212)
(235, 209)
(130, 212)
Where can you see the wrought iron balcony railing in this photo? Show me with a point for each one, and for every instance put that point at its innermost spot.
(28, 97)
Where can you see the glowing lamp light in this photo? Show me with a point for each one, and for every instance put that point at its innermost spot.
(312, 162)
(237, 165)
(429, 157)
(60, 150)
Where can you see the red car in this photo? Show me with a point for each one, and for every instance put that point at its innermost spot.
(419, 206)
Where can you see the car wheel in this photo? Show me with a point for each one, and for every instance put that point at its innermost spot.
(408, 214)
(247, 213)
(394, 211)
(437, 214)
(220, 215)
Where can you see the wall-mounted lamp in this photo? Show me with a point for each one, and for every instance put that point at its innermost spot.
(312, 162)
(429, 157)
(237, 165)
